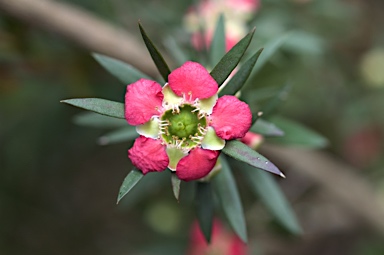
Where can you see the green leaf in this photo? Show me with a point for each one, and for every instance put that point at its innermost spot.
(124, 134)
(204, 208)
(230, 60)
(126, 73)
(156, 56)
(129, 182)
(228, 195)
(92, 119)
(297, 135)
(175, 185)
(217, 47)
(264, 185)
(266, 128)
(145, 189)
(241, 76)
(271, 48)
(242, 152)
(98, 105)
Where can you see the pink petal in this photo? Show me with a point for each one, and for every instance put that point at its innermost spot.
(148, 155)
(192, 80)
(142, 101)
(197, 164)
(231, 118)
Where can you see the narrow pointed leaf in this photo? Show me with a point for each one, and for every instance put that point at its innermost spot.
(129, 182)
(297, 135)
(156, 56)
(230, 60)
(127, 133)
(124, 72)
(226, 190)
(242, 152)
(175, 186)
(204, 208)
(145, 189)
(98, 105)
(217, 47)
(92, 119)
(241, 76)
(266, 128)
(265, 186)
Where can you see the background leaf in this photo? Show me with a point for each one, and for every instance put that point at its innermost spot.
(226, 191)
(270, 49)
(123, 134)
(264, 186)
(217, 47)
(297, 135)
(204, 208)
(98, 105)
(177, 52)
(241, 76)
(92, 119)
(129, 182)
(156, 56)
(230, 60)
(126, 73)
(242, 152)
(266, 128)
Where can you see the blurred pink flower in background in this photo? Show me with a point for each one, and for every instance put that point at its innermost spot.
(253, 140)
(223, 242)
(204, 16)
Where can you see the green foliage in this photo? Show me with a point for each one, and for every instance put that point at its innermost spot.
(129, 182)
(241, 76)
(204, 208)
(123, 134)
(242, 152)
(156, 55)
(226, 191)
(175, 186)
(264, 186)
(230, 60)
(98, 105)
(297, 135)
(217, 47)
(266, 128)
(124, 72)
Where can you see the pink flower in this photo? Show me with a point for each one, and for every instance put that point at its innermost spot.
(223, 242)
(183, 125)
(253, 140)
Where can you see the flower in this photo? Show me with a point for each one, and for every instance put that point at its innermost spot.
(253, 140)
(183, 125)
(223, 242)
(204, 15)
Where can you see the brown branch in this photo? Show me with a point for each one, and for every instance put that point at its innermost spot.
(336, 178)
(83, 28)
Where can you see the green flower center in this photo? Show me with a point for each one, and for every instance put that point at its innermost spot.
(183, 128)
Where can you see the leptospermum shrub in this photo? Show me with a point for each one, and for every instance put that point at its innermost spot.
(191, 125)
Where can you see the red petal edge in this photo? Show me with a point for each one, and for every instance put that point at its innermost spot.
(148, 155)
(192, 80)
(231, 118)
(142, 101)
(197, 164)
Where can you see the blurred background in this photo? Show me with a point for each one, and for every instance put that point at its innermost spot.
(58, 186)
